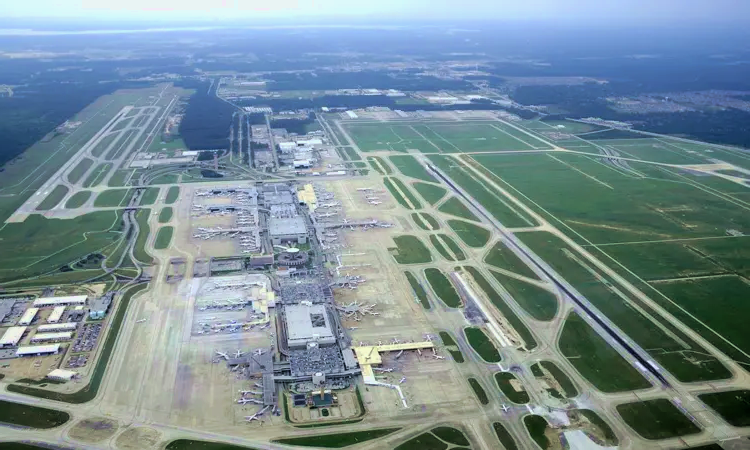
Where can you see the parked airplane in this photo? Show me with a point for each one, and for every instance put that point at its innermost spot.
(379, 369)
(222, 354)
(402, 380)
(140, 320)
(505, 408)
(238, 354)
(243, 401)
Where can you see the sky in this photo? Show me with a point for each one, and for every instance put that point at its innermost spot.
(563, 11)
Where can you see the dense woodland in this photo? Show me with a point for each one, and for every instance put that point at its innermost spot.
(207, 120)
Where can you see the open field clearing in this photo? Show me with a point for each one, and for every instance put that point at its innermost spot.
(112, 197)
(81, 168)
(511, 387)
(425, 221)
(172, 195)
(455, 207)
(656, 419)
(442, 287)
(610, 438)
(504, 436)
(410, 250)
(515, 322)
(409, 166)
(337, 440)
(453, 247)
(439, 438)
(407, 193)
(78, 199)
(676, 351)
(53, 198)
(163, 238)
(732, 406)
(418, 290)
(472, 235)
(452, 347)
(540, 303)
(119, 177)
(653, 149)
(430, 192)
(379, 165)
(502, 257)
(31, 416)
(479, 391)
(104, 143)
(595, 360)
(97, 175)
(568, 388)
(165, 215)
(149, 196)
(482, 344)
(401, 199)
(438, 245)
(190, 444)
(537, 427)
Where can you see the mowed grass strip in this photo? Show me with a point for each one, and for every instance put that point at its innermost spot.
(479, 391)
(172, 195)
(149, 196)
(112, 197)
(396, 194)
(103, 144)
(537, 428)
(610, 438)
(482, 344)
(409, 166)
(656, 419)
(454, 248)
(432, 193)
(165, 215)
(424, 441)
(511, 387)
(97, 175)
(425, 221)
(540, 303)
(451, 435)
(192, 444)
(31, 416)
(732, 406)
(455, 207)
(596, 360)
(523, 331)
(442, 287)
(78, 199)
(418, 290)
(472, 235)
(163, 238)
(438, 244)
(352, 154)
(451, 346)
(504, 436)
(379, 165)
(53, 198)
(410, 250)
(407, 192)
(337, 440)
(503, 257)
(79, 170)
(566, 384)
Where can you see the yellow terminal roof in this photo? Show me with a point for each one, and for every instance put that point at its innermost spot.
(370, 354)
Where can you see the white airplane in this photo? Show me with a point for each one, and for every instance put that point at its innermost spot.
(222, 354)
(250, 393)
(365, 189)
(258, 385)
(378, 369)
(140, 320)
(438, 357)
(259, 352)
(505, 408)
(238, 354)
(352, 328)
(251, 418)
(244, 401)
(373, 202)
(402, 380)
(372, 197)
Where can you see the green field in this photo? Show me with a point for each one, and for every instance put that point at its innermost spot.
(430, 192)
(119, 148)
(502, 257)
(190, 444)
(666, 343)
(112, 197)
(455, 207)
(569, 389)
(504, 382)
(122, 123)
(409, 166)
(165, 215)
(482, 344)
(337, 440)
(410, 250)
(450, 435)
(79, 170)
(438, 244)
(453, 247)
(504, 436)
(424, 441)
(442, 287)
(78, 199)
(479, 391)
(119, 177)
(732, 406)
(52, 199)
(418, 290)
(425, 221)
(31, 416)
(172, 195)
(536, 426)
(540, 303)
(396, 194)
(596, 360)
(149, 196)
(451, 346)
(656, 419)
(610, 438)
(379, 165)
(97, 175)
(513, 319)
(407, 192)
(139, 251)
(351, 154)
(472, 235)
(104, 143)
(163, 237)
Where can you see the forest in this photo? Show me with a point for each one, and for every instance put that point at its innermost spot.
(207, 120)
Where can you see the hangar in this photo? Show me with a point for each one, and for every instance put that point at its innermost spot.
(308, 324)
(56, 301)
(12, 336)
(38, 350)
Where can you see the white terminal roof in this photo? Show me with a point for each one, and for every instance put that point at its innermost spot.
(307, 323)
(285, 226)
(37, 349)
(67, 300)
(28, 316)
(56, 327)
(56, 314)
(12, 336)
(62, 374)
(52, 336)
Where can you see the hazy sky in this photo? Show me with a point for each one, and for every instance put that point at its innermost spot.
(584, 11)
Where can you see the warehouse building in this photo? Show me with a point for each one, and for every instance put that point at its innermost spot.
(52, 337)
(56, 314)
(308, 324)
(12, 337)
(38, 350)
(57, 301)
(287, 229)
(67, 326)
(100, 307)
(28, 316)
(62, 375)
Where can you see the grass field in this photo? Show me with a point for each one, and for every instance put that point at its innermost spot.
(569, 389)
(190, 444)
(418, 290)
(139, 251)
(149, 196)
(396, 194)
(504, 436)
(513, 319)
(410, 250)
(351, 154)
(379, 165)
(502, 257)
(424, 441)
(172, 195)
(442, 287)
(112, 197)
(479, 391)
(505, 381)
(97, 176)
(656, 419)
(472, 235)
(455, 207)
(438, 244)
(78, 199)
(79, 170)
(450, 435)
(407, 192)
(482, 344)
(425, 221)
(732, 406)
(453, 247)
(337, 440)
(451, 346)
(536, 426)
(430, 192)
(122, 143)
(119, 177)
(610, 438)
(163, 237)
(54, 197)
(666, 343)
(104, 143)
(31, 416)
(540, 303)
(165, 215)
(596, 360)
(409, 166)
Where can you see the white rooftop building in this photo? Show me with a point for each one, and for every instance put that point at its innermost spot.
(12, 336)
(67, 326)
(56, 301)
(47, 337)
(56, 314)
(36, 350)
(28, 316)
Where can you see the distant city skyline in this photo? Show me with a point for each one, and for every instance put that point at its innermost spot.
(571, 11)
